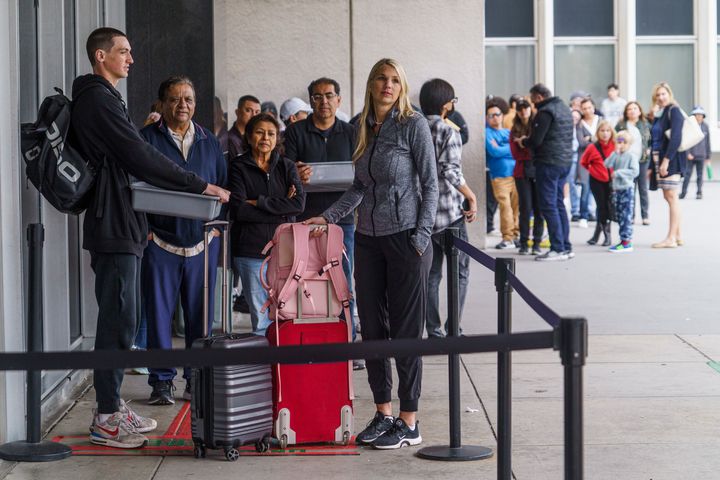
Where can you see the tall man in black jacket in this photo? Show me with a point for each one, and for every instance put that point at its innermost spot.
(113, 232)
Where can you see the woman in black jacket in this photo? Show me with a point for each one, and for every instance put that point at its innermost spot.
(668, 164)
(265, 191)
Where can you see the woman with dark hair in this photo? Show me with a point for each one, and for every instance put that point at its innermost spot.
(395, 192)
(437, 98)
(638, 127)
(524, 174)
(668, 164)
(265, 191)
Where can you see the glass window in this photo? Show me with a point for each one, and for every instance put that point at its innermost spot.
(509, 69)
(584, 67)
(584, 18)
(664, 17)
(509, 18)
(666, 63)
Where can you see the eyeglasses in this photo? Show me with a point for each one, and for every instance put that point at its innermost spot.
(493, 115)
(620, 140)
(318, 97)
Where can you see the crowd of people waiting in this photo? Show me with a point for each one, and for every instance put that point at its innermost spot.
(545, 158)
(408, 188)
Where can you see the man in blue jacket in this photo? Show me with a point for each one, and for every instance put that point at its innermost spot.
(174, 263)
(115, 234)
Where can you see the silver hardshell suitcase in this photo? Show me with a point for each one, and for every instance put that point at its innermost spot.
(232, 405)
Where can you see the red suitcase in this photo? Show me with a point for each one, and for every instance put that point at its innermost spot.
(311, 403)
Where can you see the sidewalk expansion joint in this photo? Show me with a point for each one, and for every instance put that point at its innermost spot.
(694, 348)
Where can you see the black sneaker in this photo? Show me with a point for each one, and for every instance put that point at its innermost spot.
(398, 436)
(162, 393)
(187, 394)
(358, 364)
(375, 428)
(524, 250)
(536, 250)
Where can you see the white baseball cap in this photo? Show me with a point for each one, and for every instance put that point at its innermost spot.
(292, 106)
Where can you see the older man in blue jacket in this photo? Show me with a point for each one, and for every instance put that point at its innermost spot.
(173, 264)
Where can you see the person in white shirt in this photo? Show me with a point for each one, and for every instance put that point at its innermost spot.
(612, 107)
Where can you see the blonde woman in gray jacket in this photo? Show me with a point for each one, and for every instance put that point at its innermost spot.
(395, 192)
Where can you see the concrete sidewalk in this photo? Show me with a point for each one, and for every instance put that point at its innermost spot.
(651, 392)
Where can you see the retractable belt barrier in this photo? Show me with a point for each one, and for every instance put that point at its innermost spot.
(332, 352)
(569, 336)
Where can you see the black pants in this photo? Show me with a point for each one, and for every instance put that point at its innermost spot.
(391, 281)
(529, 203)
(117, 290)
(698, 165)
(601, 192)
(491, 204)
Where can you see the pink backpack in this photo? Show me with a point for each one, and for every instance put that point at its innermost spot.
(305, 277)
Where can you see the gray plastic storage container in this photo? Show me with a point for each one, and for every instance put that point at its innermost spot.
(330, 177)
(149, 199)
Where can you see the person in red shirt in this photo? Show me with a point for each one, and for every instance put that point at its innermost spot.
(594, 160)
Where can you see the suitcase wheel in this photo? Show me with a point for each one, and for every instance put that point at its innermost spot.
(199, 451)
(263, 445)
(283, 441)
(346, 438)
(231, 454)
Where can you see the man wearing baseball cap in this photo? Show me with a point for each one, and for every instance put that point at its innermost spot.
(697, 155)
(293, 110)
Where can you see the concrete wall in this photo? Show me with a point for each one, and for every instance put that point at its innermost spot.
(274, 48)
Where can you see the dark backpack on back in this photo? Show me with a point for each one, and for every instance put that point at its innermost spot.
(54, 167)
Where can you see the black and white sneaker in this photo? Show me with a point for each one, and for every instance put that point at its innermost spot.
(375, 428)
(400, 435)
(162, 393)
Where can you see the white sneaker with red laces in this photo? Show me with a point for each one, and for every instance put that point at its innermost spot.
(116, 431)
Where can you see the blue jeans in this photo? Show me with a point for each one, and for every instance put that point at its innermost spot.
(550, 180)
(349, 243)
(574, 195)
(625, 211)
(433, 324)
(255, 294)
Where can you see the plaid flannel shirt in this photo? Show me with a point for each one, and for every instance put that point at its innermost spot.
(448, 151)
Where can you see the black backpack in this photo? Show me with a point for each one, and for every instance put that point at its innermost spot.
(56, 169)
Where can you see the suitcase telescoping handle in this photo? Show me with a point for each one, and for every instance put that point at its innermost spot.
(223, 227)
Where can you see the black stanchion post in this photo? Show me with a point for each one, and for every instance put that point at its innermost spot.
(455, 451)
(573, 352)
(34, 450)
(504, 368)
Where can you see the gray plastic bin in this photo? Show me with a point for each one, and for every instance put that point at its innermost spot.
(149, 199)
(330, 177)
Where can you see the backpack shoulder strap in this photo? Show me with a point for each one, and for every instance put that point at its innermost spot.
(599, 148)
(300, 258)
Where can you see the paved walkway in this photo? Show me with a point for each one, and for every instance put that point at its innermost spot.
(651, 392)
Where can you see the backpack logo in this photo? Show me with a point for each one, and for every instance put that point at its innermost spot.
(53, 166)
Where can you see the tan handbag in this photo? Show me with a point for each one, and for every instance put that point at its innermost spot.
(692, 134)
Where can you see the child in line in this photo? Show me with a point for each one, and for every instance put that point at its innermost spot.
(623, 167)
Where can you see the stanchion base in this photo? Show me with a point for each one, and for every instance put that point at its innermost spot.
(455, 454)
(23, 451)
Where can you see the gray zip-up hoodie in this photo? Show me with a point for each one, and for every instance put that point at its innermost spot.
(395, 186)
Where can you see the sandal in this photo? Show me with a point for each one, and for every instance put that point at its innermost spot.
(665, 244)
